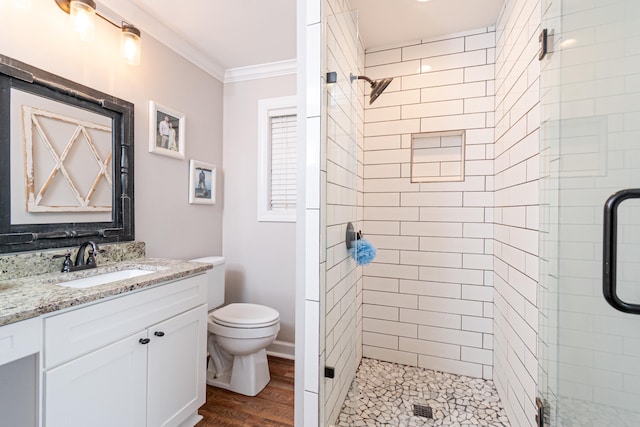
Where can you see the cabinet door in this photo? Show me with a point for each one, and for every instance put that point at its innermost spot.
(105, 388)
(177, 359)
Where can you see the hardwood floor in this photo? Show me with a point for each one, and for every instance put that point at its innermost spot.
(272, 407)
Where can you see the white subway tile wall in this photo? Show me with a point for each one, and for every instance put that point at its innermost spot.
(427, 293)
(341, 314)
(515, 245)
(308, 408)
(448, 252)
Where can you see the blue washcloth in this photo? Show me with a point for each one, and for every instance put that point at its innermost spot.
(362, 251)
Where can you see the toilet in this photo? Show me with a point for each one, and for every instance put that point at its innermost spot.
(239, 334)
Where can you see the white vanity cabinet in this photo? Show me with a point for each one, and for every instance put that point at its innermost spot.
(19, 349)
(19, 339)
(105, 387)
(131, 361)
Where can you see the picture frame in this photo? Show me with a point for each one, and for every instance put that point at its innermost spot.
(202, 183)
(166, 131)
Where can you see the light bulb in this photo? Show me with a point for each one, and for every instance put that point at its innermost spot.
(83, 15)
(130, 44)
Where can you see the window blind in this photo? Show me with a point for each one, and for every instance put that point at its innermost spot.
(283, 162)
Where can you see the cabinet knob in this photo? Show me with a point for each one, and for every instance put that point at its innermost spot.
(144, 340)
(158, 333)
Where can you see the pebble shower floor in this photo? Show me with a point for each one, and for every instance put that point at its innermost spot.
(384, 394)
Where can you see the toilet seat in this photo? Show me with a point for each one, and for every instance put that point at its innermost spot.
(243, 315)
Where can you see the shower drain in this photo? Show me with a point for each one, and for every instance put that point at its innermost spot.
(422, 411)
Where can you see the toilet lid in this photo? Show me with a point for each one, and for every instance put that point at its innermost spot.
(245, 315)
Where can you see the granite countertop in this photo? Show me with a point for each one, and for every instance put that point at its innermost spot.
(27, 297)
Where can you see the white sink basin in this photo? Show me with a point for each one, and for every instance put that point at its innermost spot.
(103, 279)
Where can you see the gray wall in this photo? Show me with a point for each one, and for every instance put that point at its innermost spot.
(260, 256)
(164, 219)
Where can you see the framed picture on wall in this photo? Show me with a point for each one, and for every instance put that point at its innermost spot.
(202, 183)
(166, 131)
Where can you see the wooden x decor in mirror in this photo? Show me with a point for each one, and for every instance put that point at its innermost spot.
(59, 166)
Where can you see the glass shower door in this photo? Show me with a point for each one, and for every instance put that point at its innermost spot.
(589, 351)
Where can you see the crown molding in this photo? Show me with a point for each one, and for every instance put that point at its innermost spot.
(145, 22)
(260, 71)
(150, 25)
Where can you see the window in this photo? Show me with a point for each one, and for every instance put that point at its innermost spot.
(277, 164)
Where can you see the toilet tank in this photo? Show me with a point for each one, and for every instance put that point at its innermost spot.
(215, 280)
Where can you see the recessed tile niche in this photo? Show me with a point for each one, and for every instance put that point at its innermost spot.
(437, 156)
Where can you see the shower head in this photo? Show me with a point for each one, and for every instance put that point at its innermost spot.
(377, 86)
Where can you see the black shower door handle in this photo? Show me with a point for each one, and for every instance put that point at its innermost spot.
(610, 249)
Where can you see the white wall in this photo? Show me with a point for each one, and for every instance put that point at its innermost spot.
(444, 270)
(331, 286)
(309, 84)
(516, 208)
(260, 256)
(170, 226)
(427, 297)
(341, 186)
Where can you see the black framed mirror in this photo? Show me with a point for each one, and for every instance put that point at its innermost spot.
(66, 162)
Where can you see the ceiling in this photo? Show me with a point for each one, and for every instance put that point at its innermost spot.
(234, 33)
(388, 22)
(219, 35)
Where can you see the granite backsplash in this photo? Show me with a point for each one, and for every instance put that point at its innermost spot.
(16, 265)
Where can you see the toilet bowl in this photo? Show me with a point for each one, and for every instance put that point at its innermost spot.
(238, 336)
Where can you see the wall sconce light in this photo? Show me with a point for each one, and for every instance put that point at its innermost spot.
(83, 17)
(130, 44)
(83, 14)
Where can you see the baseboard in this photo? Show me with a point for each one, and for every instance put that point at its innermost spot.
(282, 349)
(192, 420)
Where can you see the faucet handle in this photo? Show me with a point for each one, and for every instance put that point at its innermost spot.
(91, 260)
(66, 264)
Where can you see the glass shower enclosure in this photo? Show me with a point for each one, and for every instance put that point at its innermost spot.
(589, 345)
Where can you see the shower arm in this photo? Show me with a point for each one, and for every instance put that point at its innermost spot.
(361, 78)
